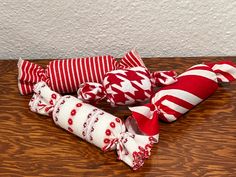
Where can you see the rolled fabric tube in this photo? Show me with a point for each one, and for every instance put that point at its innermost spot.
(92, 124)
(126, 86)
(172, 101)
(66, 75)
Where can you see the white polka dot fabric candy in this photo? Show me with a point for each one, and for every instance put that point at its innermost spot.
(92, 124)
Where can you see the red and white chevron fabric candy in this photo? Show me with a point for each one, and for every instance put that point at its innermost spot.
(125, 87)
(65, 76)
(191, 88)
(92, 124)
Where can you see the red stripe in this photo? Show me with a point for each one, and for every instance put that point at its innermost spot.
(52, 76)
(131, 60)
(179, 102)
(65, 76)
(71, 73)
(60, 80)
(105, 65)
(88, 71)
(197, 85)
(99, 68)
(92, 69)
(83, 70)
(95, 69)
(77, 73)
(170, 111)
(72, 69)
(225, 74)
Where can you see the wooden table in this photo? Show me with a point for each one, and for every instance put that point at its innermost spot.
(201, 143)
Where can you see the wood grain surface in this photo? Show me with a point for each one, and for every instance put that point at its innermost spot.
(200, 143)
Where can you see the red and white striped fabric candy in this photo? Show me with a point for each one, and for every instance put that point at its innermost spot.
(65, 76)
(125, 87)
(191, 88)
(92, 124)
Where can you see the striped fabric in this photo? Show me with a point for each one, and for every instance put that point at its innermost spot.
(192, 87)
(65, 76)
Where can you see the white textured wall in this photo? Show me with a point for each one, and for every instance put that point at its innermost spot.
(73, 28)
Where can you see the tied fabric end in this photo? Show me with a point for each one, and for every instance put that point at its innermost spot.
(43, 99)
(162, 78)
(91, 92)
(131, 59)
(28, 75)
(225, 70)
(132, 149)
(145, 118)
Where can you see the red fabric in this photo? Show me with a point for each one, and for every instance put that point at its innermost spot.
(126, 86)
(191, 88)
(65, 76)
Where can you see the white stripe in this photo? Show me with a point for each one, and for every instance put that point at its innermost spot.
(82, 73)
(77, 72)
(26, 90)
(19, 64)
(181, 94)
(55, 76)
(99, 68)
(59, 71)
(73, 72)
(226, 68)
(68, 74)
(198, 65)
(174, 106)
(143, 110)
(169, 117)
(133, 59)
(198, 72)
(63, 70)
(90, 67)
(222, 78)
(108, 62)
(95, 69)
(33, 76)
(86, 70)
(103, 61)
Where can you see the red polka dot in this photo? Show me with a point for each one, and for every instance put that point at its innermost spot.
(70, 121)
(108, 132)
(113, 125)
(151, 138)
(83, 133)
(54, 96)
(73, 112)
(106, 140)
(51, 102)
(70, 129)
(117, 120)
(78, 104)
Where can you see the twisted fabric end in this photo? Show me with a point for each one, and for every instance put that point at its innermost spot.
(91, 92)
(144, 120)
(225, 70)
(44, 99)
(28, 75)
(162, 78)
(132, 149)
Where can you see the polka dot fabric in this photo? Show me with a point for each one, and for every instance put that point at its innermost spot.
(92, 124)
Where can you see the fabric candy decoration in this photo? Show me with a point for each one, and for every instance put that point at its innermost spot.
(191, 88)
(92, 124)
(125, 87)
(65, 76)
